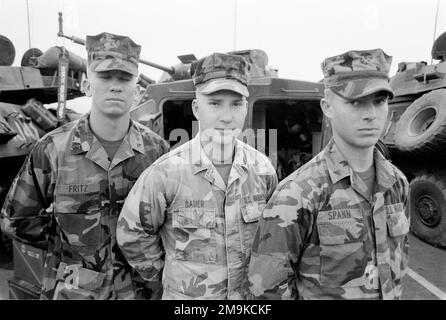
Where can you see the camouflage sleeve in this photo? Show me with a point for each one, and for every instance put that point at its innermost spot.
(23, 215)
(404, 188)
(138, 227)
(164, 146)
(278, 243)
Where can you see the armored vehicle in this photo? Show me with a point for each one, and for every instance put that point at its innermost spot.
(23, 118)
(416, 138)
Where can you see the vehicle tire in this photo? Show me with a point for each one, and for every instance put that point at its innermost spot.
(427, 208)
(422, 127)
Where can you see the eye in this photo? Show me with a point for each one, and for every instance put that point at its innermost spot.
(214, 103)
(104, 75)
(354, 103)
(380, 101)
(238, 104)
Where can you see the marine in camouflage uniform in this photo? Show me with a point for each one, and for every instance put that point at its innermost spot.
(68, 195)
(324, 234)
(182, 226)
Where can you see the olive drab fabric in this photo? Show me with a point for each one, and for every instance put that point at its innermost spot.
(67, 198)
(107, 51)
(182, 226)
(320, 238)
(357, 73)
(221, 71)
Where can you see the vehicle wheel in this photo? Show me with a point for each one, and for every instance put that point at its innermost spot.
(427, 207)
(422, 127)
(5, 244)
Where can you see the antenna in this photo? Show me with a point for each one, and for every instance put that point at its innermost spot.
(235, 25)
(29, 28)
(435, 26)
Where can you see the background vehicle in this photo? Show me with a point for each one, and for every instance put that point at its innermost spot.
(23, 118)
(416, 138)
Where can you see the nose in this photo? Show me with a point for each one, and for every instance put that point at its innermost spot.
(226, 115)
(369, 111)
(116, 86)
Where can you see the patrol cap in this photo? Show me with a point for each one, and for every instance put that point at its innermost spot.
(221, 71)
(107, 51)
(357, 73)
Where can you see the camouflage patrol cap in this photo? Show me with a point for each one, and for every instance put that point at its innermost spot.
(357, 74)
(107, 51)
(221, 71)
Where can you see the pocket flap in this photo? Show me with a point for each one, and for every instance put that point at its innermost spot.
(72, 198)
(252, 211)
(340, 226)
(194, 218)
(397, 221)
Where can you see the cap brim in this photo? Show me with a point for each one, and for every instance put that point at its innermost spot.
(223, 84)
(358, 88)
(113, 64)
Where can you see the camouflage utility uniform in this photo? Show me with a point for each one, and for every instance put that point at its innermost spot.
(320, 238)
(69, 170)
(181, 217)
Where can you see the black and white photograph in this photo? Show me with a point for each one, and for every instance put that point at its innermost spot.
(227, 154)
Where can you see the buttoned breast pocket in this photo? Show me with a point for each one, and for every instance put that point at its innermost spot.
(195, 234)
(78, 213)
(341, 235)
(251, 213)
(397, 222)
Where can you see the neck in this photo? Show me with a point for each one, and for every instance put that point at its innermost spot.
(107, 128)
(219, 151)
(359, 159)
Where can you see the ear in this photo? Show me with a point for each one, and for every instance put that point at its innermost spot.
(326, 108)
(137, 93)
(195, 109)
(86, 87)
(245, 102)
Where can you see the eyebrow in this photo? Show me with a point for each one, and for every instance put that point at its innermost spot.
(118, 74)
(378, 96)
(220, 99)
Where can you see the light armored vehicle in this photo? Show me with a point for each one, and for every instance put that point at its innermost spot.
(416, 137)
(24, 90)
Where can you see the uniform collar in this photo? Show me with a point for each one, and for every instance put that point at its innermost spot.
(339, 168)
(83, 138)
(202, 162)
(203, 165)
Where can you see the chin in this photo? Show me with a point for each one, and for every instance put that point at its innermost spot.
(366, 143)
(115, 109)
(114, 114)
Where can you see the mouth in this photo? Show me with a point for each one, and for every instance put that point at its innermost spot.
(368, 129)
(115, 100)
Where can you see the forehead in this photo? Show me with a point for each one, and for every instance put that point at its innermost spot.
(116, 73)
(222, 94)
(376, 95)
